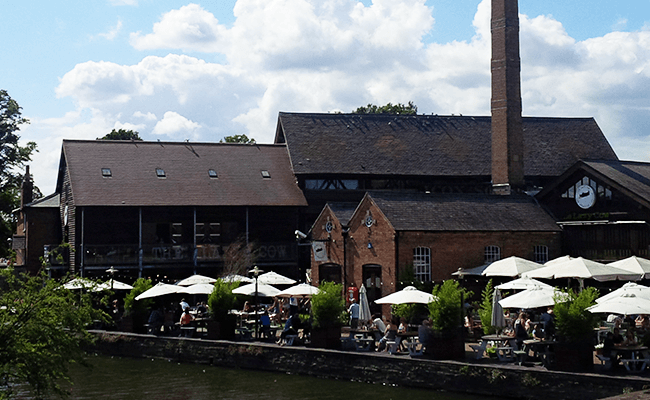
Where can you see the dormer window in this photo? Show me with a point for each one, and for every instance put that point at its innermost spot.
(160, 173)
(212, 174)
(106, 172)
(265, 174)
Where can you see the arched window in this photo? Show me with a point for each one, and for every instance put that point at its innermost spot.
(422, 263)
(492, 254)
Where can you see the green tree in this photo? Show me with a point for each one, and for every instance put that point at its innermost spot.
(237, 139)
(121, 134)
(399, 108)
(446, 309)
(328, 305)
(485, 311)
(42, 329)
(13, 158)
(572, 320)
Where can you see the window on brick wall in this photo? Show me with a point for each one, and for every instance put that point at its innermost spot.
(541, 254)
(492, 254)
(422, 263)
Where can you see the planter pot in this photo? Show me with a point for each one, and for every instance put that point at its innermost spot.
(326, 338)
(574, 356)
(223, 329)
(447, 346)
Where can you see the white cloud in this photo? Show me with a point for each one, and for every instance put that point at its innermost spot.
(113, 32)
(320, 55)
(176, 127)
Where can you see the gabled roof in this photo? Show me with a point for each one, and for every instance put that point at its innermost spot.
(428, 145)
(133, 180)
(51, 201)
(462, 212)
(343, 211)
(629, 177)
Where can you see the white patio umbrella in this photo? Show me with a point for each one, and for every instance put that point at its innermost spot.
(558, 260)
(471, 271)
(263, 290)
(626, 304)
(364, 307)
(194, 279)
(628, 288)
(237, 278)
(634, 264)
(160, 289)
(534, 297)
(581, 268)
(112, 284)
(299, 290)
(198, 288)
(407, 295)
(80, 283)
(511, 266)
(522, 283)
(498, 320)
(273, 278)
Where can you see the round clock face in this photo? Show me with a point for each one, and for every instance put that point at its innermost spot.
(585, 196)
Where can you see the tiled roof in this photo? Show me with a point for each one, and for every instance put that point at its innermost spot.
(462, 212)
(53, 200)
(428, 145)
(632, 176)
(343, 211)
(133, 180)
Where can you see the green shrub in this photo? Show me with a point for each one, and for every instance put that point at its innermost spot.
(222, 299)
(572, 320)
(446, 309)
(138, 307)
(328, 306)
(485, 310)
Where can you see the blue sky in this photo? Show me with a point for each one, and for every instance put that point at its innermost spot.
(200, 71)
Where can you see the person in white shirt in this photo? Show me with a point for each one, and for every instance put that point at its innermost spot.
(354, 314)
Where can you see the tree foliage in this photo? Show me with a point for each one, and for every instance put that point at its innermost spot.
(121, 134)
(399, 108)
(328, 305)
(572, 320)
(485, 310)
(222, 299)
(42, 328)
(13, 159)
(446, 309)
(237, 139)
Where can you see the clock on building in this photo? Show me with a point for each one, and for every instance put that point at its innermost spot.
(585, 196)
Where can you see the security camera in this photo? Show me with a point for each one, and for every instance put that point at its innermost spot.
(300, 235)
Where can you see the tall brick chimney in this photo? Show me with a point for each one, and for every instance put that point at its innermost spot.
(26, 189)
(507, 131)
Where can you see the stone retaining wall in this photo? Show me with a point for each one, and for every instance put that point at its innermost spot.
(507, 381)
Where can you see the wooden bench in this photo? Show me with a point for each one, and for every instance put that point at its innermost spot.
(479, 349)
(288, 340)
(605, 361)
(505, 353)
(364, 344)
(188, 331)
(521, 356)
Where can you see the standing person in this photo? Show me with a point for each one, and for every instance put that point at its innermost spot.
(184, 304)
(548, 323)
(354, 314)
(293, 306)
(520, 330)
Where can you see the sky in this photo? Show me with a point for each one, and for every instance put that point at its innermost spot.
(200, 71)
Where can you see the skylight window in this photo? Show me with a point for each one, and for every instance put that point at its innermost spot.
(160, 173)
(265, 174)
(106, 172)
(212, 173)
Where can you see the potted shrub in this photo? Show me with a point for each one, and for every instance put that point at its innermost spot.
(136, 311)
(446, 311)
(575, 330)
(222, 324)
(327, 308)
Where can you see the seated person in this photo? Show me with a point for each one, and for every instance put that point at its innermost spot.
(538, 332)
(290, 328)
(156, 320)
(265, 321)
(201, 309)
(389, 335)
(630, 339)
(247, 307)
(425, 333)
(617, 338)
(186, 317)
(403, 325)
(378, 327)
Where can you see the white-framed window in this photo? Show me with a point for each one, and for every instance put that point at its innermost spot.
(541, 254)
(492, 254)
(422, 263)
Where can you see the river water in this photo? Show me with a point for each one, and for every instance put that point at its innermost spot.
(125, 378)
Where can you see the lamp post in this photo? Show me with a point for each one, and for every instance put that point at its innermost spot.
(112, 271)
(256, 273)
